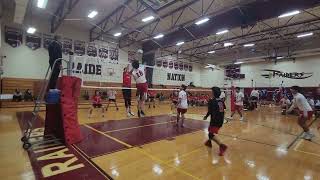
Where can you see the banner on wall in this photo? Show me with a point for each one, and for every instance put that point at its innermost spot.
(79, 47)
(175, 77)
(165, 63)
(190, 68)
(159, 63)
(270, 73)
(180, 66)
(13, 36)
(103, 52)
(33, 41)
(92, 50)
(171, 64)
(66, 45)
(114, 54)
(186, 66)
(47, 38)
(176, 65)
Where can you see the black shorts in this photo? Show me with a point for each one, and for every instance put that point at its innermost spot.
(254, 98)
(97, 105)
(126, 93)
(151, 98)
(112, 100)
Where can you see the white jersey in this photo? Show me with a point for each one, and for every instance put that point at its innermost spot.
(183, 99)
(139, 75)
(285, 102)
(222, 95)
(301, 103)
(311, 102)
(254, 93)
(239, 98)
(112, 94)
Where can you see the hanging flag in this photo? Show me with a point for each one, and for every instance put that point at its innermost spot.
(33, 41)
(190, 67)
(165, 63)
(103, 52)
(114, 54)
(180, 66)
(186, 66)
(13, 36)
(92, 50)
(159, 63)
(171, 64)
(79, 47)
(66, 45)
(176, 65)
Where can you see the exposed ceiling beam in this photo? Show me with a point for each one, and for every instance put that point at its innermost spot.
(20, 11)
(61, 13)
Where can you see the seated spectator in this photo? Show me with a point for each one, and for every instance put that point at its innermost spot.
(311, 102)
(317, 104)
(28, 95)
(17, 96)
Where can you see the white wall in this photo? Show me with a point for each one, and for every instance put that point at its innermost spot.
(307, 64)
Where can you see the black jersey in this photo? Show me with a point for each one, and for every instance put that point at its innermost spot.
(216, 111)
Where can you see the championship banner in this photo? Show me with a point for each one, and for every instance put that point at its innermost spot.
(171, 64)
(186, 66)
(92, 50)
(165, 63)
(176, 65)
(13, 36)
(131, 56)
(114, 54)
(33, 41)
(190, 68)
(79, 47)
(181, 66)
(47, 39)
(103, 52)
(159, 63)
(66, 45)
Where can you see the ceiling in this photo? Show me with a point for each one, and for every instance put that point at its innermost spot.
(248, 21)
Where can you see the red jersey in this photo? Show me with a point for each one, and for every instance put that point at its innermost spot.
(126, 79)
(152, 93)
(96, 99)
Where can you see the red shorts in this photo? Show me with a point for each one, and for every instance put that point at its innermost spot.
(213, 129)
(238, 108)
(142, 89)
(182, 111)
(309, 115)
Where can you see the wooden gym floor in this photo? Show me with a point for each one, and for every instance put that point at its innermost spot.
(264, 147)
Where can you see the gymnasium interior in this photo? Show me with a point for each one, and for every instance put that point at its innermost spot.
(65, 112)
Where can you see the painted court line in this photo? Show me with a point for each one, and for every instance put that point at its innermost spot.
(301, 151)
(79, 151)
(145, 153)
(136, 127)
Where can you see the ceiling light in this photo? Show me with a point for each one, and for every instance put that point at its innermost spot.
(42, 4)
(31, 30)
(117, 34)
(158, 36)
(180, 43)
(248, 45)
(305, 35)
(280, 57)
(291, 13)
(222, 32)
(227, 44)
(239, 62)
(149, 18)
(92, 14)
(201, 21)
(211, 52)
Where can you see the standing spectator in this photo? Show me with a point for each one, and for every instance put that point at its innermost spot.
(55, 52)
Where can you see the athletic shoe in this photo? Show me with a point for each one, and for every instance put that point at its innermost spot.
(131, 113)
(139, 115)
(154, 106)
(117, 109)
(230, 118)
(223, 149)
(128, 115)
(142, 113)
(208, 143)
(308, 136)
(241, 119)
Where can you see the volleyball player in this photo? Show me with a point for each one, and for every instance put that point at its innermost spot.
(216, 109)
(96, 103)
(174, 99)
(238, 104)
(305, 109)
(126, 83)
(139, 75)
(182, 105)
(112, 98)
(151, 97)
